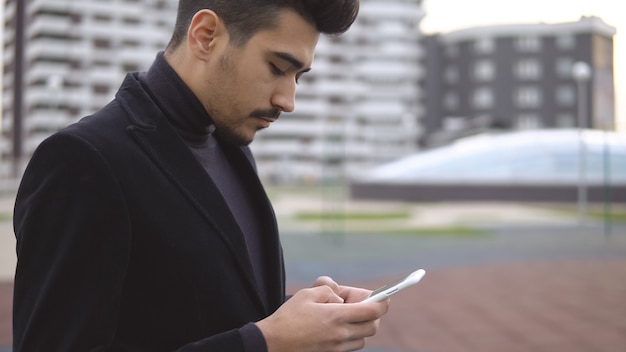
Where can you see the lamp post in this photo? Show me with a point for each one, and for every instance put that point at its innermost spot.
(18, 90)
(582, 73)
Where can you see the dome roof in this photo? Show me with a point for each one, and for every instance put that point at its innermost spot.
(522, 157)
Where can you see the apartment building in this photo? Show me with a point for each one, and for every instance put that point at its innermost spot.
(67, 58)
(358, 106)
(518, 76)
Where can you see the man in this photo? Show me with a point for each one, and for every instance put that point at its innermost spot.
(145, 228)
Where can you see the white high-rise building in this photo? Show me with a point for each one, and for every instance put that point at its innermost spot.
(360, 104)
(358, 107)
(75, 55)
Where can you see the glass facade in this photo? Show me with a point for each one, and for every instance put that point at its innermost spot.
(539, 156)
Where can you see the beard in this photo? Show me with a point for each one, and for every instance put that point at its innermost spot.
(226, 126)
(231, 136)
(230, 133)
(229, 127)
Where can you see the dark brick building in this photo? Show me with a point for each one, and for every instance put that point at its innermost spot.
(517, 77)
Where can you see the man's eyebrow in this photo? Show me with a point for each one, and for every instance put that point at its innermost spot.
(297, 64)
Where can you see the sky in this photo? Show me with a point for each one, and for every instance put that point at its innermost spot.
(447, 15)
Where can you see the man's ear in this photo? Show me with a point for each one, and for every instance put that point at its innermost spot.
(204, 30)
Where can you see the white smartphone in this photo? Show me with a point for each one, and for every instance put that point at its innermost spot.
(388, 290)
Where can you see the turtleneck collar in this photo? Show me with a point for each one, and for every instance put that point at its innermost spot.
(180, 105)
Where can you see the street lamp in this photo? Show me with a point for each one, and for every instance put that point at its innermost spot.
(582, 73)
(18, 89)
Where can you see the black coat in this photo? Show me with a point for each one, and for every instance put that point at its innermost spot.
(125, 243)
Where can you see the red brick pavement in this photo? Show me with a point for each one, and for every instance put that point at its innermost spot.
(564, 306)
(560, 306)
(6, 299)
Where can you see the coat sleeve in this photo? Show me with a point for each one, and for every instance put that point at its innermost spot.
(73, 246)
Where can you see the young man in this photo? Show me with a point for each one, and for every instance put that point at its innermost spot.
(145, 227)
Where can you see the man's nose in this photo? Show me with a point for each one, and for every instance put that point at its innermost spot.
(285, 97)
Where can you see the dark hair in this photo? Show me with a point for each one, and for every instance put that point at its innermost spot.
(243, 18)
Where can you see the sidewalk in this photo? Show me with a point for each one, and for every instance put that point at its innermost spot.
(541, 282)
(538, 282)
(561, 306)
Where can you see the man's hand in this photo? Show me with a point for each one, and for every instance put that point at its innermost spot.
(323, 318)
(347, 293)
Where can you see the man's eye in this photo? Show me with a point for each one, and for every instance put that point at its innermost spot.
(276, 70)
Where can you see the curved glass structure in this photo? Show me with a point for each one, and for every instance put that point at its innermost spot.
(523, 157)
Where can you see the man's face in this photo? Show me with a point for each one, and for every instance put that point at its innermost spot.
(249, 86)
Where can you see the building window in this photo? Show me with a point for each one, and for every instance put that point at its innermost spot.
(452, 51)
(100, 89)
(565, 42)
(528, 44)
(130, 67)
(484, 46)
(132, 21)
(74, 63)
(482, 98)
(564, 67)
(454, 123)
(130, 43)
(528, 97)
(484, 70)
(101, 63)
(102, 18)
(450, 101)
(76, 18)
(565, 95)
(528, 69)
(102, 43)
(528, 121)
(565, 120)
(451, 75)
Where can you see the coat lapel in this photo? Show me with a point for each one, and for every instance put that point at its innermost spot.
(274, 257)
(168, 151)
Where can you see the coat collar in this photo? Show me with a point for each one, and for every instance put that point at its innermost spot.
(179, 104)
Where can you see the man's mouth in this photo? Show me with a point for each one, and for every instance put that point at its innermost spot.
(270, 115)
(265, 121)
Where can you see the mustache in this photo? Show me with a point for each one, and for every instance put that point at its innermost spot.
(261, 113)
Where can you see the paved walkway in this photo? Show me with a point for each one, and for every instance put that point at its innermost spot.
(551, 306)
(538, 282)
(560, 306)
(552, 289)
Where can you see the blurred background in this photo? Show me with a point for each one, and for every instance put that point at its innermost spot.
(484, 141)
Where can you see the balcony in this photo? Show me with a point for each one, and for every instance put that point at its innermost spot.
(50, 25)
